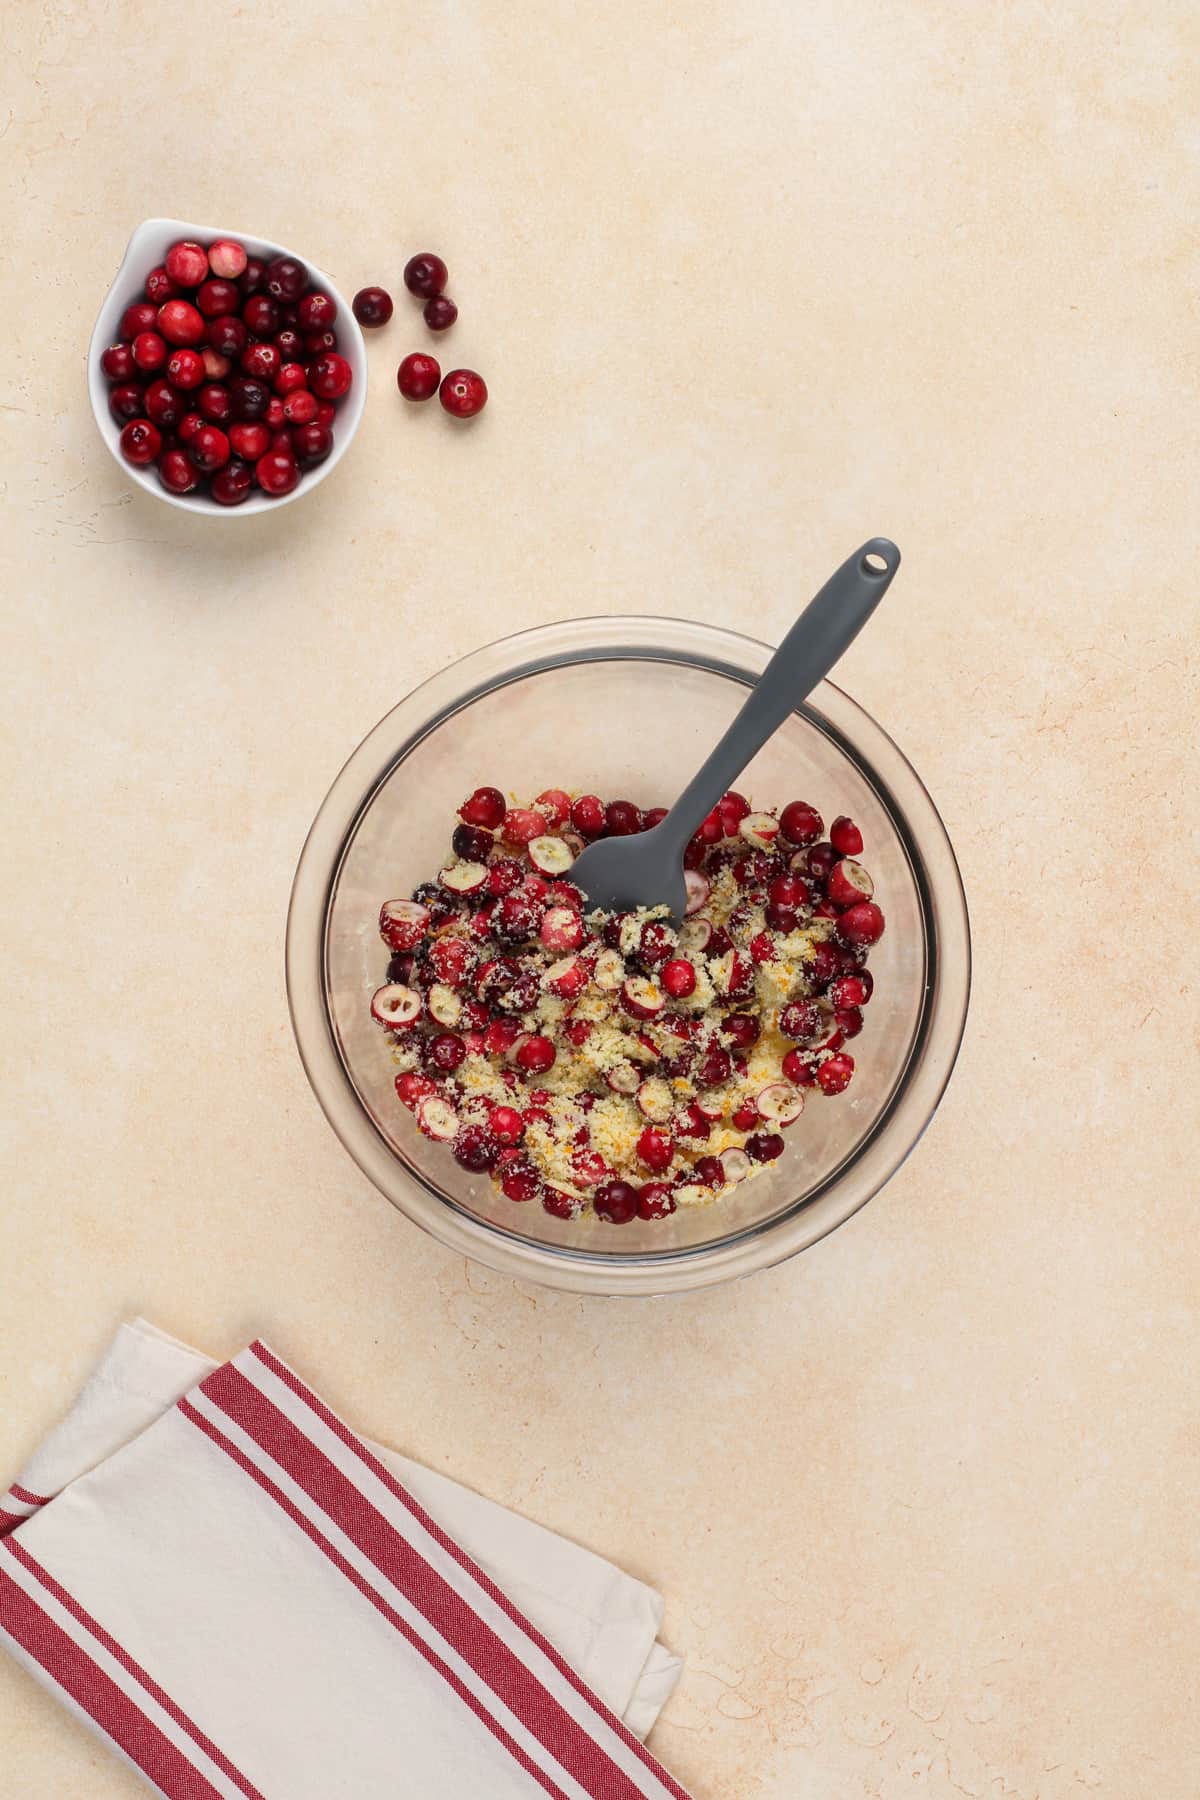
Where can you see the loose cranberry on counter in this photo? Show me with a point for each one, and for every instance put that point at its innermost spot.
(440, 312)
(277, 473)
(232, 484)
(425, 275)
(330, 377)
(141, 442)
(418, 377)
(372, 307)
(463, 393)
(227, 258)
(186, 264)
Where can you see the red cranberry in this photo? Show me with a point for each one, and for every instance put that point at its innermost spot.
(252, 277)
(708, 1171)
(484, 807)
(655, 1201)
(125, 401)
(216, 368)
(180, 323)
(616, 1201)
(588, 816)
(653, 817)
(800, 1069)
(159, 286)
(372, 306)
(849, 882)
(316, 312)
(425, 275)
(290, 375)
(519, 1180)
(261, 316)
(228, 336)
(117, 362)
(475, 1148)
(140, 442)
(742, 1029)
(330, 377)
(185, 368)
(679, 978)
(227, 258)
(149, 351)
(261, 361)
(507, 1125)
(820, 860)
(215, 402)
(656, 1148)
(799, 1021)
(232, 484)
(790, 891)
(186, 264)
(250, 441)
(861, 924)
(141, 316)
(249, 399)
(214, 298)
(320, 343)
(473, 843)
(560, 1205)
(733, 808)
(853, 990)
(822, 964)
(445, 1051)
(849, 1021)
(209, 449)
(746, 1117)
(311, 444)
(300, 408)
(177, 472)
(163, 405)
(536, 1055)
(622, 818)
(189, 425)
(418, 377)
(463, 393)
(845, 837)
(286, 278)
(277, 473)
(800, 823)
(274, 413)
(715, 1067)
(440, 312)
(834, 1074)
(764, 1146)
(291, 348)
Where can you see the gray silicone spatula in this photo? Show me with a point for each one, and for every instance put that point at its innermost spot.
(622, 873)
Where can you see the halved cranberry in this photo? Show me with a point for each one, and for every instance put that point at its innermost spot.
(149, 351)
(835, 1073)
(178, 473)
(232, 484)
(140, 442)
(186, 264)
(845, 837)
(820, 860)
(800, 823)
(741, 1028)
(475, 1148)
(764, 1146)
(849, 883)
(463, 393)
(425, 274)
(330, 377)
(228, 336)
(277, 473)
(125, 401)
(588, 816)
(286, 278)
(622, 818)
(141, 316)
(861, 924)
(117, 362)
(372, 307)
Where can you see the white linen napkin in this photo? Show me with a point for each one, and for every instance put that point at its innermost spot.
(246, 1598)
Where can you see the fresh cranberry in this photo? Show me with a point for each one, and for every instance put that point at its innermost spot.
(185, 368)
(708, 1171)
(311, 444)
(656, 1148)
(163, 405)
(622, 818)
(125, 401)
(253, 276)
(227, 258)
(715, 1067)
(209, 449)
(117, 362)
(425, 275)
(656, 943)
(834, 1073)
(519, 1180)
(214, 298)
(277, 473)
(249, 441)
(215, 402)
(475, 1148)
(536, 1055)
(249, 399)
(228, 336)
(232, 484)
(800, 1069)
(849, 1021)
(418, 376)
(216, 368)
(180, 323)
(372, 307)
(291, 347)
(853, 990)
(800, 823)
(286, 278)
(788, 891)
(746, 1117)
(861, 924)
(141, 316)
(616, 1201)
(710, 829)
(261, 316)
(471, 842)
(189, 425)
(300, 408)
(845, 837)
(822, 965)
(506, 1124)
(290, 375)
(186, 264)
(141, 442)
(445, 1051)
(177, 472)
(764, 1146)
(653, 817)
(679, 978)
(800, 1020)
(521, 825)
(691, 1123)
(484, 807)
(159, 286)
(273, 417)
(588, 816)
(260, 361)
(733, 808)
(316, 312)
(463, 393)
(560, 1205)
(439, 312)
(149, 351)
(319, 343)
(501, 1035)
(762, 947)
(742, 1029)
(820, 860)
(330, 377)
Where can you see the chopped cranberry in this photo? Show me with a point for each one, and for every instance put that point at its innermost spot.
(227, 258)
(746, 1117)
(800, 1068)
(800, 823)
(536, 1055)
(732, 809)
(622, 818)
(471, 842)
(522, 825)
(475, 1148)
(679, 978)
(149, 351)
(762, 947)
(753, 871)
(330, 377)
(764, 1146)
(228, 336)
(656, 942)
(141, 442)
(800, 1020)
(372, 307)
(708, 1171)
(484, 807)
(822, 965)
(742, 1029)
(209, 449)
(587, 816)
(853, 990)
(177, 472)
(849, 883)
(159, 286)
(186, 264)
(286, 278)
(215, 298)
(517, 918)
(439, 312)
(463, 393)
(180, 323)
(185, 368)
(559, 1204)
(520, 1181)
(556, 804)
(715, 1067)
(316, 311)
(425, 275)
(445, 1051)
(216, 368)
(277, 473)
(790, 891)
(117, 362)
(249, 399)
(835, 1072)
(691, 1123)
(656, 1148)
(845, 837)
(849, 1021)
(501, 1035)
(655, 1201)
(139, 317)
(861, 924)
(507, 1125)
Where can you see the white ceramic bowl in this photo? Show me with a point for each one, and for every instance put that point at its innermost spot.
(145, 251)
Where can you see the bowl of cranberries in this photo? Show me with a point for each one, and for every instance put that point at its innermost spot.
(625, 1104)
(227, 374)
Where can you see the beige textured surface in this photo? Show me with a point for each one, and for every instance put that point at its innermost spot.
(747, 282)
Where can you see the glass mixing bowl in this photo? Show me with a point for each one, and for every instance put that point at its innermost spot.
(626, 708)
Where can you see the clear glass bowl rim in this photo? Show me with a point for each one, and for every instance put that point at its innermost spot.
(917, 822)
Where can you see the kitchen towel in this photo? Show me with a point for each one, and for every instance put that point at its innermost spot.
(246, 1598)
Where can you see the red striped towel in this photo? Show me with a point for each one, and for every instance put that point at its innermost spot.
(246, 1598)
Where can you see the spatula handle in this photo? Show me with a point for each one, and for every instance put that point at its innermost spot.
(825, 629)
